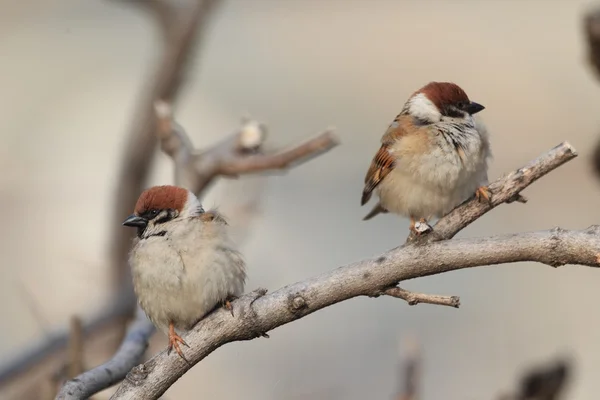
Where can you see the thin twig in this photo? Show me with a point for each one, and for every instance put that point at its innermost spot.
(238, 154)
(127, 356)
(75, 363)
(413, 298)
(410, 370)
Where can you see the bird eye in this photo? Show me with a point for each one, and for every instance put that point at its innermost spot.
(153, 213)
(460, 104)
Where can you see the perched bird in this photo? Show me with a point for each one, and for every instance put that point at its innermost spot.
(433, 156)
(183, 262)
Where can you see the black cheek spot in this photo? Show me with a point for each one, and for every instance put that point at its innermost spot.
(420, 121)
(162, 220)
(452, 112)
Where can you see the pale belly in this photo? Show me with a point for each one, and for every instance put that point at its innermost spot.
(172, 286)
(406, 195)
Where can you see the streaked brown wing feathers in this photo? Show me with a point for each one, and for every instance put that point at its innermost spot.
(382, 164)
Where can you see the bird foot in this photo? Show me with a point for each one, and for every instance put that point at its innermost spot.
(483, 194)
(174, 341)
(227, 304)
(420, 227)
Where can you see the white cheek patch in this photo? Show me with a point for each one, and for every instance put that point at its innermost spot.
(421, 107)
(192, 206)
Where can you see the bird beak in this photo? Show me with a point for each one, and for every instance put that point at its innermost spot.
(136, 221)
(474, 108)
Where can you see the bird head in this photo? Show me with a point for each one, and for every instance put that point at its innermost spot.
(159, 205)
(441, 101)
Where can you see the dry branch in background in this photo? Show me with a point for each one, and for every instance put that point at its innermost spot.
(592, 32)
(544, 382)
(241, 153)
(181, 28)
(194, 169)
(257, 312)
(410, 370)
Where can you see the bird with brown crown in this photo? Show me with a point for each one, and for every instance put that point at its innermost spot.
(433, 156)
(183, 262)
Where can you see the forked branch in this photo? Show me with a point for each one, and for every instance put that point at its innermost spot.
(257, 313)
(240, 153)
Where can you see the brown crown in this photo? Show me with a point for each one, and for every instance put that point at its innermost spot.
(443, 93)
(161, 198)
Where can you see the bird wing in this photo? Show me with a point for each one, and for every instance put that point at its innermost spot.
(384, 161)
(382, 164)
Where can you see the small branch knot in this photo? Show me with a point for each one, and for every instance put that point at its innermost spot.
(298, 303)
(556, 257)
(137, 375)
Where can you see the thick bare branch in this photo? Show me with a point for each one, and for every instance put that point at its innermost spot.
(258, 313)
(254, 316)
(239, 154)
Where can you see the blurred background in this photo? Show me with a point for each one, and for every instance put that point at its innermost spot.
(72, 73)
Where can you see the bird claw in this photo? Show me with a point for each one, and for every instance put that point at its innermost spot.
(483, 194)
(227, 304)
(174, 341)
(420, 227)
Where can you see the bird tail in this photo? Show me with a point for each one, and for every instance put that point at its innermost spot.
(378, 209)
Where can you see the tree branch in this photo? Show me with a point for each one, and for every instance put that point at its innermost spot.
(410, 370)
(182, 27)
(503, 190)
(257, 313)
(543, 382)
(194, 170)
(413, 298)
(592, 32)
(241, 153)
(127, 356)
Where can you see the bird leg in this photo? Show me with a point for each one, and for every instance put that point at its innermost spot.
(419, 227)
(483, 193)
(227, 304)
(174, 341)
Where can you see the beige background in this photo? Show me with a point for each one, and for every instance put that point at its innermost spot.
(71, 71)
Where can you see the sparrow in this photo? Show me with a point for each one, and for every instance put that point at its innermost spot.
(183, 262)
(433, 156)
